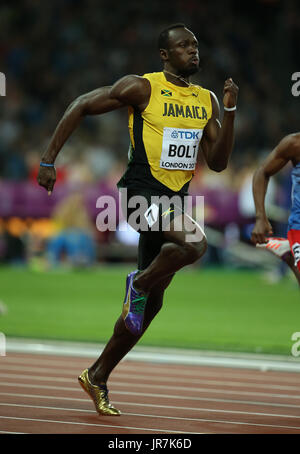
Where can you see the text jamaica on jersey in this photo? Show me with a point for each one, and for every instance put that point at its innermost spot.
(176, 110)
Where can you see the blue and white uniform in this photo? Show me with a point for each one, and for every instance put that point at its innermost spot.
(294, 218)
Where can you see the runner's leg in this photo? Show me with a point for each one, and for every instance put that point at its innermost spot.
(293, 259)
(175, 253)
(122, 341)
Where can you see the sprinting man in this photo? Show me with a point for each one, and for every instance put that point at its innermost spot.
(169, 120)
(288, 150)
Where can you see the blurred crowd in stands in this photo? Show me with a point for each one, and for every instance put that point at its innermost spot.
(52, 52)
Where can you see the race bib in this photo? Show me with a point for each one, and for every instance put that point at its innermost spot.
(180, 148)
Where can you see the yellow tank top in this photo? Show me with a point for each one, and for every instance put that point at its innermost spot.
(165, 137)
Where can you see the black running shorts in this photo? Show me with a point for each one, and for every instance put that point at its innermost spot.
(150, 214)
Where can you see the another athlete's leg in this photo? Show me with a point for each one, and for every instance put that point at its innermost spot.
(293, 259)
(289, 259)
(282, 248)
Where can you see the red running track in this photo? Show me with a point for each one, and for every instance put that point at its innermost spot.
(39, 394)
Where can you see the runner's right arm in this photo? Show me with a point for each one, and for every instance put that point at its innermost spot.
(130, 90)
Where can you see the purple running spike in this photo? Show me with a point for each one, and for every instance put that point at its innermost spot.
(134, 306)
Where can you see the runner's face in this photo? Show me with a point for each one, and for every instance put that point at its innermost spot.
(183, 51)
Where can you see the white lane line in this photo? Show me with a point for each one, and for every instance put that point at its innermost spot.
(194, 371)
(206, 399)
(138, 377)
(208, 410)
(18, 433)
(146, 377)
(210, 382)
(169, 356)
(156, 387)
(96, 425)
(218, 421)
(127, 393)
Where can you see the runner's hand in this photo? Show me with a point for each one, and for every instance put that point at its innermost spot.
(261, 230)
(230, 92)
(46, 178)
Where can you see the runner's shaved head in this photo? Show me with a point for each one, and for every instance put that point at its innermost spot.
(163, 39)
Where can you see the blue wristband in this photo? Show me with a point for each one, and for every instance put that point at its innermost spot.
(44, 164)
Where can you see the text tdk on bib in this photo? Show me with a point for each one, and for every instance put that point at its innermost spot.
(180, 148)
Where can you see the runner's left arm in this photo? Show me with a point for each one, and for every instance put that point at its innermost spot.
(217, 140)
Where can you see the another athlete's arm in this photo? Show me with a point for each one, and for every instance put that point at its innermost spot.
(277, 159)
(130, 90)
(217, 140)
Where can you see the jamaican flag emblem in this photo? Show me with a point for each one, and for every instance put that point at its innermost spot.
(166, 93)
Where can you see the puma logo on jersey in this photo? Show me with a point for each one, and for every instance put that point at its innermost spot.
(168, 211)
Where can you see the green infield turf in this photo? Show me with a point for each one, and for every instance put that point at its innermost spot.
(204, 308)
